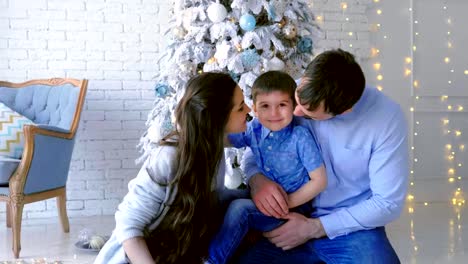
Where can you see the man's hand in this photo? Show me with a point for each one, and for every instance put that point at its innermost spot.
(296, 231)
(269, 197)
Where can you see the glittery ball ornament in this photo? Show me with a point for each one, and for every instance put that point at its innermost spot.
(179, 33)
(305, 45)
(289, 31)
(187, 67)
(161, 90)
(216, 12)
(247, 22)
(250, 58)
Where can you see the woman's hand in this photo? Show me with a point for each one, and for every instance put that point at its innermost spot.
(268, 196)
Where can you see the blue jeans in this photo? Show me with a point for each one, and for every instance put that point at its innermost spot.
(363, 247)
(242, 215)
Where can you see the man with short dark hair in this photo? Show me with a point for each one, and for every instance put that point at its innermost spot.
(362, 135)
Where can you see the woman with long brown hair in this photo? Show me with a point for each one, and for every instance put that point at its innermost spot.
(169, 213)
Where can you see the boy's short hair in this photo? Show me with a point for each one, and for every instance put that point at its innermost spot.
(272, 81)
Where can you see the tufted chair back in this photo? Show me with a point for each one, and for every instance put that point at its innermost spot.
(43, 104)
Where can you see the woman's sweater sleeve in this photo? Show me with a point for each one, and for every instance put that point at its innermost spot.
(146, 198)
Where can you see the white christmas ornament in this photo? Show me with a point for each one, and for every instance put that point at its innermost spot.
(275, 64)
(233, 178)
(216, 12)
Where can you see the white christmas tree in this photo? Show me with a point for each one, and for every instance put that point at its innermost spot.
(242, 37)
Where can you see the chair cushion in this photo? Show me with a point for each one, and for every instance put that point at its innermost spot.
(11, 133)
(7, 167)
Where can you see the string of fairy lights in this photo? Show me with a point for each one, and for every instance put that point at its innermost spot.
(454, 148)
(451, 133)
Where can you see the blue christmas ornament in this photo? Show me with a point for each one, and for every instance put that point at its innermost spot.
(161, 90)
(250, 58)
(247, 22)
(305, 45)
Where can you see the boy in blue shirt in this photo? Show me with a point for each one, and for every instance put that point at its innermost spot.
(284, 152)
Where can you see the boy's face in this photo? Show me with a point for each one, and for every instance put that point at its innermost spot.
(274, 110)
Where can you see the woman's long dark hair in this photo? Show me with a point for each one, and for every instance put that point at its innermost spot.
(201, 116)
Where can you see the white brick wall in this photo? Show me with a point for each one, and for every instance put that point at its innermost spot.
(114, 44)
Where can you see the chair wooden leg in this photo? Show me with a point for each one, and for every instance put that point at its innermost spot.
(16, 210)
(62, 207)
(8, 215)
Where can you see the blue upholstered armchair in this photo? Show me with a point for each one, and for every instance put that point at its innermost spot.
(54, 107)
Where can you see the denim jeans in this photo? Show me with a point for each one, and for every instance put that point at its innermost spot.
(242, 215)
(363, 247)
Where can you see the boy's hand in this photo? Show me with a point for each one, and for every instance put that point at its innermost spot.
(268, 196)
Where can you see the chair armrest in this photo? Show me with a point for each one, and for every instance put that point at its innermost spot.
(48, 131)
(52, 128)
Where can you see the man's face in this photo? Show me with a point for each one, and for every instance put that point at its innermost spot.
(303, 110)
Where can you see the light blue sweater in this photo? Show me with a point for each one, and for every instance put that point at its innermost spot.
(365, 152)
(146, 203)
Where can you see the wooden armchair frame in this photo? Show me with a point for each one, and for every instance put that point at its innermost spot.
(17, 198)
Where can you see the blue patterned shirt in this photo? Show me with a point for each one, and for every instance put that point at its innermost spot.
(285, 156)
